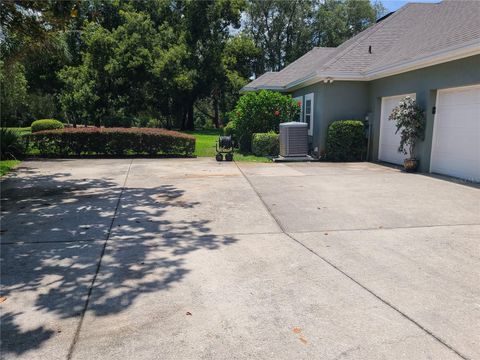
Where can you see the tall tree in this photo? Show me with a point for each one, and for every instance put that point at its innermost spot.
(285, 30)
(337, 20)
(281, 30)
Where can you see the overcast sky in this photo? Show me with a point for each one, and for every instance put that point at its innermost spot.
(393, 5)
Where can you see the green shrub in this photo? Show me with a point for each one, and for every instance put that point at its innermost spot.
(261, 112)
(46, 124)
(346, 141)
(111, 141)
(230, 129)
(265, 144)
(11, 144)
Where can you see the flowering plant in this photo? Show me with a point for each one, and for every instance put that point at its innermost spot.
(409, 119)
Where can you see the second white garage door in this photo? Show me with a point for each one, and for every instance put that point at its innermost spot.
(389, 140)
(456, 133)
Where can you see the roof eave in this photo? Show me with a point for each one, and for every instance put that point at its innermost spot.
(262, 87)
(325, 77)
(453, 53)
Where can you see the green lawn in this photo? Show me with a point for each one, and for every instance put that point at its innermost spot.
(205, 146)
(7, 165)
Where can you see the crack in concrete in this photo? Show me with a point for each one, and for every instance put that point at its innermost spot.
(382, 228)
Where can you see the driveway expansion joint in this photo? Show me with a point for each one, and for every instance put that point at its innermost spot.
(357, 282)
(382, 228)
(90, 289)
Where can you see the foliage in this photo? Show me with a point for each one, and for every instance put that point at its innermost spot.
(42, 105)
(337, 21)
(281, 29)
(285, 30)
(111, 141)
(13, 92)
(231, 129)
(92, 61)
(409, 119)
(46, 124)
(265, 144)
(346, 141)
(7, 165)
(11, 144)
(261, 112)
(23, 28)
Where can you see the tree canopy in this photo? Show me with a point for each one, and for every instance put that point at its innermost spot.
(168, 63)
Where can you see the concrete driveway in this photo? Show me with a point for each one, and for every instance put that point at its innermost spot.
(193, 259)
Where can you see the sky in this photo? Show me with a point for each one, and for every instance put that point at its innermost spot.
(393, 5)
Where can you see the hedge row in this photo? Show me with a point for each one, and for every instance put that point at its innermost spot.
(111, 141)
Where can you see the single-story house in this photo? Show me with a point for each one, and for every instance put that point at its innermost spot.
(428, 51)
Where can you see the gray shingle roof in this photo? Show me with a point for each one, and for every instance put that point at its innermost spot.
(416, 31)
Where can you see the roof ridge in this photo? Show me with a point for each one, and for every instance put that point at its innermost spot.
(365, 34)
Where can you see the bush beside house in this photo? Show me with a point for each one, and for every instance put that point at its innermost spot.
(261, 112)
(46, 124)
(111, 141)
(265, 144)
(346, 141)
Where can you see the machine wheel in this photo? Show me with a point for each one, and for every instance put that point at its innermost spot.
(229, 157)
(219, 157)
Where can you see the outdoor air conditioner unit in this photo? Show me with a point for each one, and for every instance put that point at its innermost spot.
(293, 139)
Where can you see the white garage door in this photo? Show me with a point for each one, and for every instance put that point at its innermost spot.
(456, 133)
(389, 141)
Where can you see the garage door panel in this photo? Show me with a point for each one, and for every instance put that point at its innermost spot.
(450, 145)
(458, 168)
(456, 134)
(464, 116)
(460, 96)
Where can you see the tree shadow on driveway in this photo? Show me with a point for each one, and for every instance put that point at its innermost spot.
(53, 232)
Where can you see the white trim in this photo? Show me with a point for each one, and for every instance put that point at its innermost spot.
(311, 97)
(434, 131)
(297, 99)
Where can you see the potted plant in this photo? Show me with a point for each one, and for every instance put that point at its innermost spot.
(409, 119)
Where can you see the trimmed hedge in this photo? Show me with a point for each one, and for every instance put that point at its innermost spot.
(111, 141)
(265, 144)
(46, 124)
(346, 141)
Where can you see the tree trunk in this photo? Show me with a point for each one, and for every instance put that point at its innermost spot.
(183, 119)
(216, 119)
(189, 124)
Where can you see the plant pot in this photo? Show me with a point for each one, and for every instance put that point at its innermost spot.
(410, 165)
